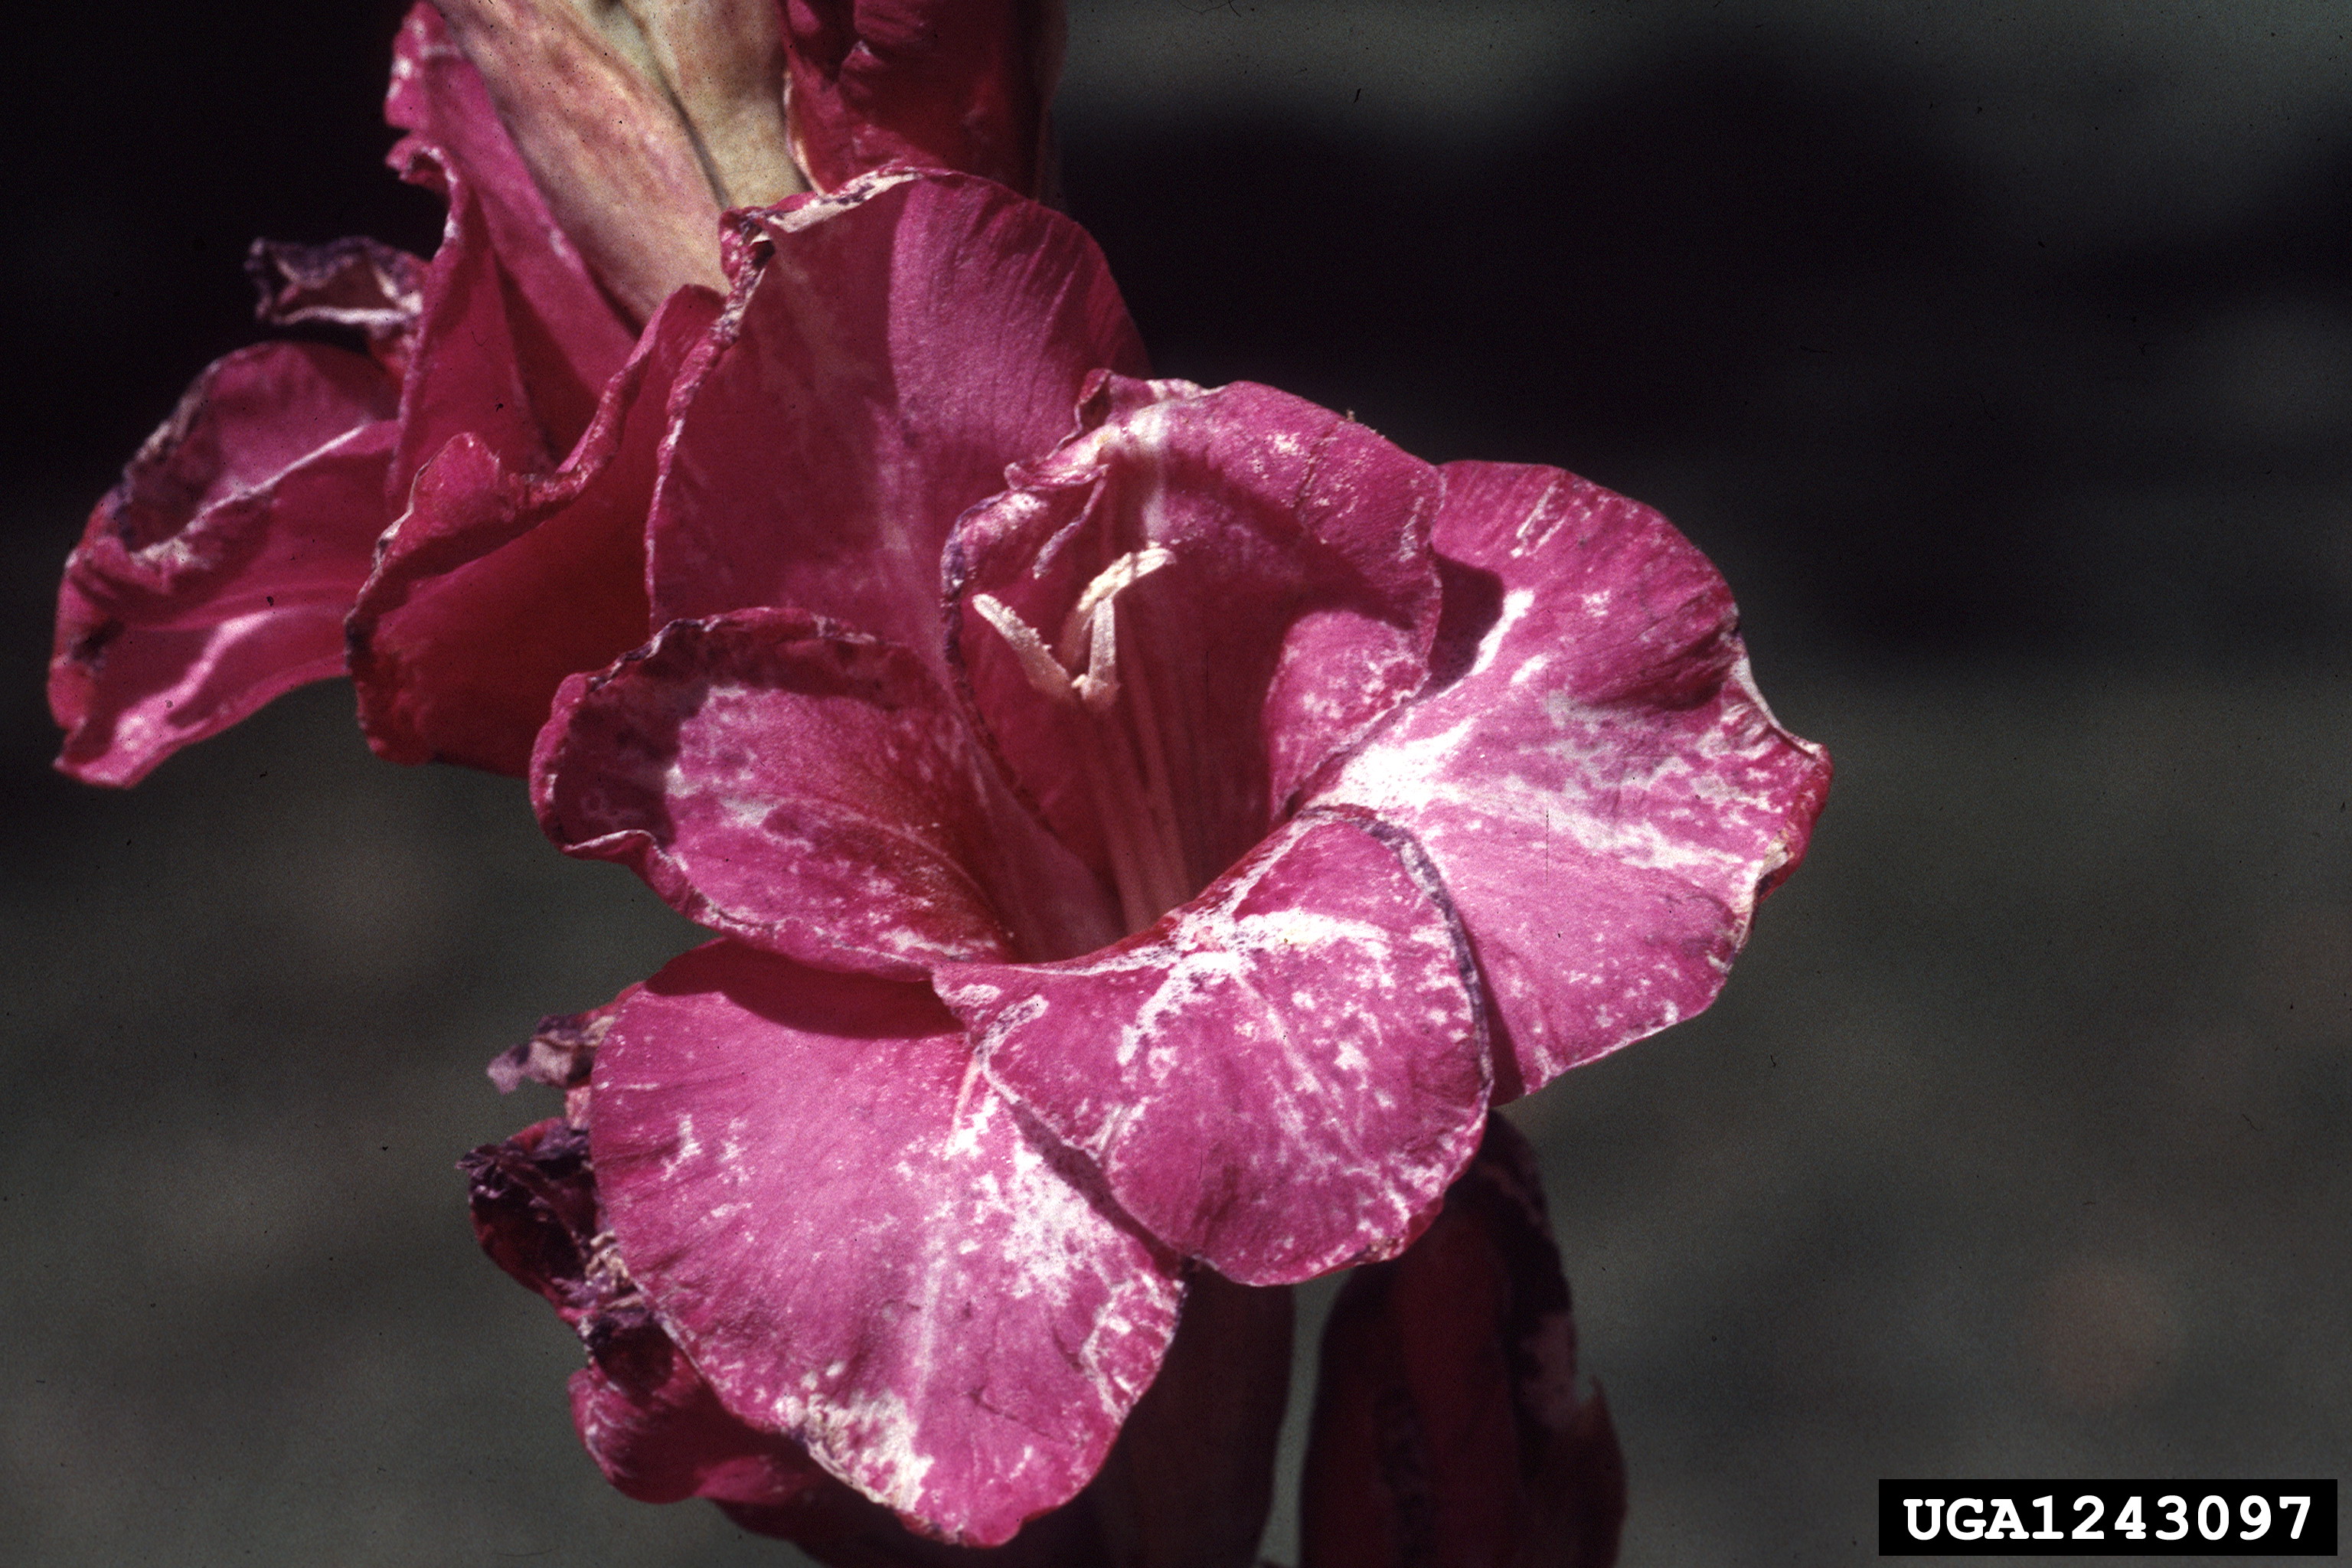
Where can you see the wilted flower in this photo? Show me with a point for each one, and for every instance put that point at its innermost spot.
(1273, 803)
(504, 423)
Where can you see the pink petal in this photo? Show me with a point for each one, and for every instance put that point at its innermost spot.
(889, 351)
(940, 85)
(217, 573)
(808, 791)
(496, 584)
(1292, 606)
(1281, 1076)
(1448, 1424)
(860, 1246)
(516, 336)
(1189, 1481)
(1600, 786)
(467, 376)
(1191, 1471)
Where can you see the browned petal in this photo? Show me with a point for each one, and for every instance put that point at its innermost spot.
(583, 101)
(354, 282)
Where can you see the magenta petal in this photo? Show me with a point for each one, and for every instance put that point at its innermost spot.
(1187, 1485)
(857, 1242)
(1286, 601)
(516, 338)
(807, 791)
(217, 575)
(496, 584)
(1600, 786)
(658, 1432)
(439, 98)
(888, 351)
(467, 376)
(942, 84)
(1281, 1076)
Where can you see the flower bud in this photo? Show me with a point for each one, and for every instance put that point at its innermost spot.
(640, 122)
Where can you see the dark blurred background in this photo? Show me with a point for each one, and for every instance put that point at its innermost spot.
(2000, 355)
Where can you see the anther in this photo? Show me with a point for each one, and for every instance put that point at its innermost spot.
(1111, 581)
(1037, 661)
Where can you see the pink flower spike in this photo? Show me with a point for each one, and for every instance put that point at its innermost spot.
(861, 1247)
(217, 573)
(1281, 1076)
(822, 455)
(940, 84)
(1593, 775)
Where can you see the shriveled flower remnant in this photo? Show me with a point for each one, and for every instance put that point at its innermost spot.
(1147, 828)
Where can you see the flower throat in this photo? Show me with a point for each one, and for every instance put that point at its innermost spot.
(1123, 750)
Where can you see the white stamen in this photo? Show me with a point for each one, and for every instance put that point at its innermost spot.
(1037, 661)
(1099, 687)
(1114, 579)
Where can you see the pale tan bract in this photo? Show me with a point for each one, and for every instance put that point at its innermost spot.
(640, 121)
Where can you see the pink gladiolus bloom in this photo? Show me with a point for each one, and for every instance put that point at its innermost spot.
(1272, 805)
(457, 517)
(1147, 827)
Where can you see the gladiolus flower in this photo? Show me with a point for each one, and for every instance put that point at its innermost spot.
(1273, 804)
(1147, 827)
